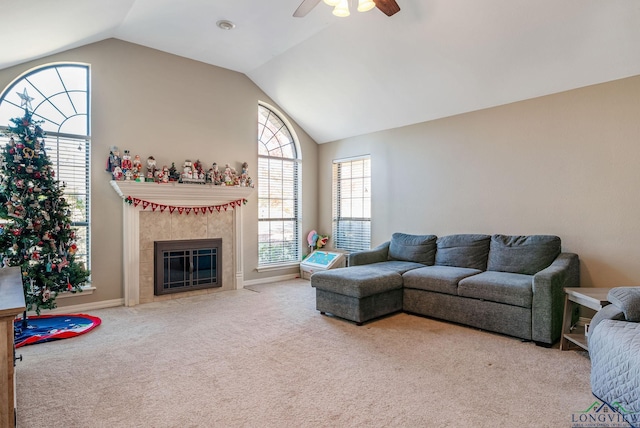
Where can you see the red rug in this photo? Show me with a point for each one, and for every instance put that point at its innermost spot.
(45, 328)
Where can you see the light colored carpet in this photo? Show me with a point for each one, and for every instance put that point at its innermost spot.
(267, 358)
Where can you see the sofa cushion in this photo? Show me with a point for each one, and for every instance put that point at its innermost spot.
(441, 279)
(357, 281)
(397, 266)
(501, 287)
(527, 255)
(413, 248)
(465, 251)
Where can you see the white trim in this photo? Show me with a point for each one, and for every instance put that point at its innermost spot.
(289, 126)
(271, 279)
(84, 307)
(279, 266)
(351, 158)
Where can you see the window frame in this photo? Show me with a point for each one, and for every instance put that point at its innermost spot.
(54, 139)
(293, 161)
(362, 238)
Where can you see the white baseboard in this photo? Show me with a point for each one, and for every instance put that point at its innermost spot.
(271, 279)
(85, 307)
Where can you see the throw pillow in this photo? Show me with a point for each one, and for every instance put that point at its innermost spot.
(465, 251)
(522, 254)
(413, 248)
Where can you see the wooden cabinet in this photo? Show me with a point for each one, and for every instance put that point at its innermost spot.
(11, 304)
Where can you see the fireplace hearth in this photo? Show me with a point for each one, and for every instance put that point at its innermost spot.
(187, 265)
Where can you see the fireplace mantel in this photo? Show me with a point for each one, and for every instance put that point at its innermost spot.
(180, 195)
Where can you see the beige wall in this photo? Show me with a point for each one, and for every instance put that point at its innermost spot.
(154, 103)
(566, 164)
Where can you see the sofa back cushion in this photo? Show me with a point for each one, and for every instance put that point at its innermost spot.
(465, 251)
(413, 248)
(522, 254)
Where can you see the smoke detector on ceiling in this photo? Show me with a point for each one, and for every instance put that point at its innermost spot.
(225, 25)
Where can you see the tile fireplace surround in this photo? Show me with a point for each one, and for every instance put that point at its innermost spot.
(142, 227)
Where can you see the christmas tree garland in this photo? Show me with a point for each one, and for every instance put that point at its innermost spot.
(180, 209)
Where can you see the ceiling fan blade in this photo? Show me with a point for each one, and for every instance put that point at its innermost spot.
(305, 7)
(388, 7)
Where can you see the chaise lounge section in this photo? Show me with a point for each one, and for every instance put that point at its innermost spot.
(512, 285)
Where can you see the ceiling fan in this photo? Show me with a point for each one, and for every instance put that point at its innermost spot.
(388, 7)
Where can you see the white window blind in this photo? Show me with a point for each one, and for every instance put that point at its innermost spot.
(278, 191)
(352, 204)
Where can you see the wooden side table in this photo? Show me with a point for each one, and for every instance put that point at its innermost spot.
(592, 298)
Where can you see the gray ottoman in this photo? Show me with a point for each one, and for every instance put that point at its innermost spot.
(358, 293)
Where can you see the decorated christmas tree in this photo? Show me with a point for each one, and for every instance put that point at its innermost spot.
(36, 234)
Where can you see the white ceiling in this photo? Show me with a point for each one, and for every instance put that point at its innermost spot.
(341, 77)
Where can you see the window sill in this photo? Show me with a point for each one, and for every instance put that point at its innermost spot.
(269, 268)
(87, 290)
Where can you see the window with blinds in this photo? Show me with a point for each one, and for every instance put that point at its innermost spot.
(58, 96)
(278, 191)
(352, 204)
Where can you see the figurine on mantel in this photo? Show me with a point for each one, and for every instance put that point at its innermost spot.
(245, 180)
(187, 170)
(117, 173)
(174, 175)
(163, 177)
(190, 174)
(137, 164)
(151, 168)
(114, 159)
(126, 163)
(214, 174)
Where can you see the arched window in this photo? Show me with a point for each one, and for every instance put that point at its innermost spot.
(58, 96)
(278, 190)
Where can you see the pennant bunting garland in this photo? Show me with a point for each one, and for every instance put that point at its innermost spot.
(199, 209)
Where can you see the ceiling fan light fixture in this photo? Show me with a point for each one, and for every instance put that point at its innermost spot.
(342, 9)
(365, 5)
(332, 3)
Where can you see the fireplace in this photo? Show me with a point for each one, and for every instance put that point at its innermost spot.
(144, 226)
(187, 265)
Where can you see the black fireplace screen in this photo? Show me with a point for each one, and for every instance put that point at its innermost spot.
(187, 265)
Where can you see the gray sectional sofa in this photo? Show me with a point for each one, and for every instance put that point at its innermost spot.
(506, 284)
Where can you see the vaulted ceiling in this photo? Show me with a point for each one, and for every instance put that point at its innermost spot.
(341, 77)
